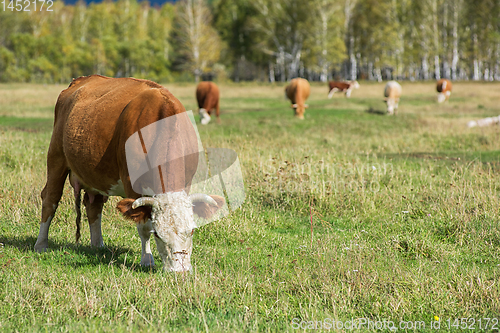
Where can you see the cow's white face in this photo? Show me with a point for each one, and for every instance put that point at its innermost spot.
(170, 217)
(173, 226)
(441, 97)
(392, 105)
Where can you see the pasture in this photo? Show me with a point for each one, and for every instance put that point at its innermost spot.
(404, 215)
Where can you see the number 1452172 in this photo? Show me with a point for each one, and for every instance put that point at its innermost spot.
(26, 5)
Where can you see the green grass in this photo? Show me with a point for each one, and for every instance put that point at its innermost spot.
(404, 220)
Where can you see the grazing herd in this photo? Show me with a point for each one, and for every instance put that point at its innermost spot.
(99, 121)
(298, 91)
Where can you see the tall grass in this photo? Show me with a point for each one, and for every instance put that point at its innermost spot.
(404, 215)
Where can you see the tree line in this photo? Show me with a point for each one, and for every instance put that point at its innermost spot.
(268, 40)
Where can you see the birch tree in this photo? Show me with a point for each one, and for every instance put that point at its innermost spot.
(200, 43)
(327, 47)
(349, 37)
(283, 25)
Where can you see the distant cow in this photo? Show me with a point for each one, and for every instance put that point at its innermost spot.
(444, 90)
(345, 87)
(96, 117)
(207, 95)
(297, 92)
(392, 93)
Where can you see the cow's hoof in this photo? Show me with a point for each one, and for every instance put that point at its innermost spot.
(99, 244)
(41, 247)
(147, 261)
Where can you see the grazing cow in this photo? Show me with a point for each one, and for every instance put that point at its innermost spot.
(443, 89)
(94, 118)
(207, 95)
(345, 87)
(392, 93)
(297, 92)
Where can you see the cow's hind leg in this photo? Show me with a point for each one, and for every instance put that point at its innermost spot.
(217, 112)
(51, 194)
(93, 205)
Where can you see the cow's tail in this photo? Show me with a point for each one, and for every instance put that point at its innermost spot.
(78, 203)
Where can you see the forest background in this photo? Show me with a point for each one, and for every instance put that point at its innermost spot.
(263, 40)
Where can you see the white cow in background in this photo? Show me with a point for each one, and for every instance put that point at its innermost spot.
(392, 93)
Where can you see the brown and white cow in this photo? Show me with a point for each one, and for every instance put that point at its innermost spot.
(392, 93)
(94, 118)
(444, 90)
(297, 92)
(207, 95)
(345, 87)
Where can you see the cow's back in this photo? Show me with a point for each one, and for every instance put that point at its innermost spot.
(94, 117)
(443, 85)
(207, 95)
(392, 90)
(298, 90)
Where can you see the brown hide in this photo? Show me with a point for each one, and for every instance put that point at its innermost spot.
(297, 92)
(94, 117)
(207, 95)
(341, 86)
(441, 87)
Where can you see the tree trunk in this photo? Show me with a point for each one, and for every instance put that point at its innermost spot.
(454, 61)
(425, 68)
(475, 61)
(354, 65)
(496, 75)
(271, 72)
(437, 72)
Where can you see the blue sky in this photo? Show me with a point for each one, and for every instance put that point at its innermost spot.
(152, 2)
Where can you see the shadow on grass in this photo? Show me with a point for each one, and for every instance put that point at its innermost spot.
(492, 157)
(377, 112)
(78, 255)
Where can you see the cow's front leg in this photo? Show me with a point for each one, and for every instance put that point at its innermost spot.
(93, 205)
(144, 230)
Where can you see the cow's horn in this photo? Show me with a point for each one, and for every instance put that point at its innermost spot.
(143, 201)
(201, 197)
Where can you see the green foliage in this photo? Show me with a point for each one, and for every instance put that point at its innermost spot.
(278, 39)
(123, 38)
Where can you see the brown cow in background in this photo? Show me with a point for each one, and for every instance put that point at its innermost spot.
(207, 95)
(444, 90)
(297, 92)
(345, 87)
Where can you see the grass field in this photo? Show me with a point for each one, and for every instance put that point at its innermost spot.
(404, 217)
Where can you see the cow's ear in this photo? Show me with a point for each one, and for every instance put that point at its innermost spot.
(139, 215)
(294, 106)
(205, 210)
(306, 105)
